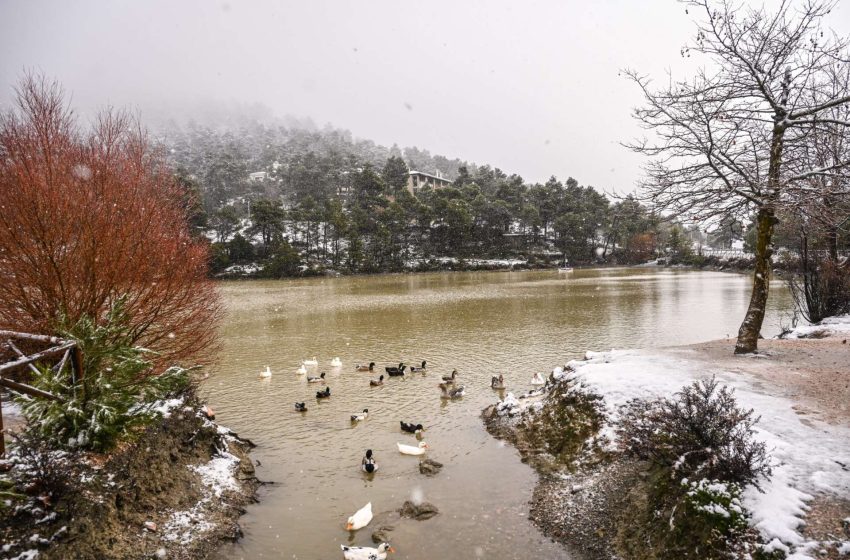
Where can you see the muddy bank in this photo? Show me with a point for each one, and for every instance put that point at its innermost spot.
(175, 492)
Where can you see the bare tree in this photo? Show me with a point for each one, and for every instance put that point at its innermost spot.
(728, 142)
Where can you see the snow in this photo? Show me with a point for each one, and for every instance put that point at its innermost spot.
(806, 457)
(217, 474)
(165, 407)
(830, 326)
(510, 406)
(844, 548)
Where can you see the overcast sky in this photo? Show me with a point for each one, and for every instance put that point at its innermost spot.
(530, 87)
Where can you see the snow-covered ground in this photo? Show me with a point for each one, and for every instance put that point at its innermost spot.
(831, 326)
(808, 457)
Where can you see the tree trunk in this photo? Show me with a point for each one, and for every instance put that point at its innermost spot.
(748, 334)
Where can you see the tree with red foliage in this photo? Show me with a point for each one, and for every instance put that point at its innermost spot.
(91, 217)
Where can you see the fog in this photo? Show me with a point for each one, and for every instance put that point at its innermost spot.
(532, 87)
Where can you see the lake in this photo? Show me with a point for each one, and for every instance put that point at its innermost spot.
(482, 324)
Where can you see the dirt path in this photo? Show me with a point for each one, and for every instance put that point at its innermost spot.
(815, 373)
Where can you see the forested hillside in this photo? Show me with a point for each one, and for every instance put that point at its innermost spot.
(323, 199)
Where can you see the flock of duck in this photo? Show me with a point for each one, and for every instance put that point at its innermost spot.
(448, 390)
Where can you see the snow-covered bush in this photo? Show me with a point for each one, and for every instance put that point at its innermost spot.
(566, 424)
(700, 432)
(116, 393)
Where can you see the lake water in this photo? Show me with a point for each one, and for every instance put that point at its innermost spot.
(483, 324)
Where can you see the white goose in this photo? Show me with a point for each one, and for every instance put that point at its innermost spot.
(301, 370)
(538, 379)
(266, 373)
(360, 519)
(313, 362)
(336, 362)
(410, 450)
(366, 552)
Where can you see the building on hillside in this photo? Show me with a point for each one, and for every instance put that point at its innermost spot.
(258, 176)
(417, 180)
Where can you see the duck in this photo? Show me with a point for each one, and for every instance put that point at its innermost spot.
(313, 362)
(420, 368)
(324, 394)
(451, 378)
(538, 379)
(450, 394)
(360, 416)
(411, 450)
(397, 373)
(266, 373)
(366, 552)
(360, 519)
(411, 428)
(368, 463)
(301, 370)
(376, 382)
(300, 407)
(314, 379)
(396, 370)
(370, 367)
(336, 362)
(497, 382)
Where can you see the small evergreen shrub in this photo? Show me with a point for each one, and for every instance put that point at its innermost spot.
(568, 422)
(119, 389)
(700, 433)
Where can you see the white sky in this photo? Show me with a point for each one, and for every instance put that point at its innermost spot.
(531, 87)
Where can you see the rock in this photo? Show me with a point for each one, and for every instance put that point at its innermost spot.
(208, 412)
(160, 553)
(429, 467)
(418, 512)
(379, 535)
(150, 526)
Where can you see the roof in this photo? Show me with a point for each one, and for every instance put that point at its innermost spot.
(429, 175)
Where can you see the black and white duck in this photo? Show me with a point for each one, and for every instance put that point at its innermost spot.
(300, 407)
(411, 428)
(447, 393)
(368, 464)
(370, 367)
(314, 379)
(420, 368)
(360, 416)
(376, 382)
(324, 394)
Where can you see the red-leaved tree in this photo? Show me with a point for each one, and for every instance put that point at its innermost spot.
(88, 216)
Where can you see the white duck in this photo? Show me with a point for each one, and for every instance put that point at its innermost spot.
(366, 552)
(301, 370)
(266, 373)
(538, 379)
(360, 519)
(336, 362)
(313, 362)
(410, 450)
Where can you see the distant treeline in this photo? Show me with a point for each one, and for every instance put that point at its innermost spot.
(321, 199)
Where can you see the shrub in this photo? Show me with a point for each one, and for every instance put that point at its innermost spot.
(821, 287)
(568, 422)
(116, 393)
(89, 216)
(699, 433)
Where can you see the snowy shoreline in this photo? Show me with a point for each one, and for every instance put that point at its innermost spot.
(810, 457)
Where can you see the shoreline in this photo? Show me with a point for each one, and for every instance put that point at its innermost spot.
(176, 491)
(801, 387)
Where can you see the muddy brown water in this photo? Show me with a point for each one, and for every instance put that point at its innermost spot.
(483, 324)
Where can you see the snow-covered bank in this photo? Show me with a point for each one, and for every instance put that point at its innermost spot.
(831, 326)
(798, 388)
(809, 457)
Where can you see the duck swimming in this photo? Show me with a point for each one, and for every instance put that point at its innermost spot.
(360, 416)
(370, 367)
(301, 370)
(336, 362)
(411, 428)
(313, 379)
(266, 373)
(324, 394)
(313, 362)
(368, 463)
(451, 378)
(366, 552)
(300, 407)
(411, 450)
(360, 519)
(396, 370)
(538, 379)
(450, 394)
(497, 382)
(376, 382)
(420, 368)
